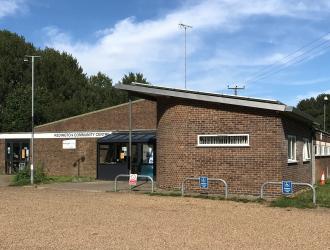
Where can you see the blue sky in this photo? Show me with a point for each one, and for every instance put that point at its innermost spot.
(231, 42)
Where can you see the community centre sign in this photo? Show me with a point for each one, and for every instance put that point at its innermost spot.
(57, 135)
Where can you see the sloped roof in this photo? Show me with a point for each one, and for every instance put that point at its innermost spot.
(152, 92)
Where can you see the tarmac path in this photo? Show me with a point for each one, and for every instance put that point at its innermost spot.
(32, 218)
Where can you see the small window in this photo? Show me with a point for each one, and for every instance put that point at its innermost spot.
(291, 148)
(233, 140)
(323, 150)
(113, 153)
(307, 150)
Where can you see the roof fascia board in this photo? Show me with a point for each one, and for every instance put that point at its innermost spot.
(201, 97)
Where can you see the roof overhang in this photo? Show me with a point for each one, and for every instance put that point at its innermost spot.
(123, 137)
(300, 115)
(153, 92)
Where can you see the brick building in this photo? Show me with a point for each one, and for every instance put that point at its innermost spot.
(69, 146)
(245, 141)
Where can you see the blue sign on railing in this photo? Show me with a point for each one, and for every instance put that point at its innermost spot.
(203, 182)
(287, 187)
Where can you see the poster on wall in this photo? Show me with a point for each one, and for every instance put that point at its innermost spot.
(69, 144)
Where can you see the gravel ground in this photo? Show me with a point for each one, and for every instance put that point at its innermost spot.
(56, 219)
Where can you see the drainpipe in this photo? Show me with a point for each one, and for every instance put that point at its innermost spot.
(313, 161)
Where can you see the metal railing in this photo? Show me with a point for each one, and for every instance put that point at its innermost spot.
(210, 179)
(293, 183)
(139, 176)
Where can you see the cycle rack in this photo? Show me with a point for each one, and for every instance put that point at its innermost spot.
(210, 179)
(139, 176)
(293, 183)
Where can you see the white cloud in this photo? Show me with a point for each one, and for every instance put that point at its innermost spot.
(10, 7)
(155, 47)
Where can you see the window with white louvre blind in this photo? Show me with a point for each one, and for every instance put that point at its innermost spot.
(223, 140)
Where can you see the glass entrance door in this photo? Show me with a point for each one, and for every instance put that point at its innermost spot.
(17, 155)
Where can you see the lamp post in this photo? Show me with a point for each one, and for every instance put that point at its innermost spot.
(324, 109)
(26, 59)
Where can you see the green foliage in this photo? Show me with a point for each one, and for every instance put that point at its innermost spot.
(102, 94)
(131, 77)
(61, 88)
(297, 202)
(24, 175)
(315, 107)
(304, 200)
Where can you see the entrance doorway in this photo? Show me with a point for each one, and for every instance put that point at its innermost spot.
(112, 157)
(17, 155)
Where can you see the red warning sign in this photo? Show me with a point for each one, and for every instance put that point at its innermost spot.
(132, 179)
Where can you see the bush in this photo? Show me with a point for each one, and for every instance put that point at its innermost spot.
(23, 177)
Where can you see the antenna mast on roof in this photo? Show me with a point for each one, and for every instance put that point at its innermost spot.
(185, 27)
(235, 88)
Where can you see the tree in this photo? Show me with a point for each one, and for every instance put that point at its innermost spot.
(129, 79)
(17, 108)
(62, 89)
(59, 84)
(100, 92)
(13, 70)
(314, 107)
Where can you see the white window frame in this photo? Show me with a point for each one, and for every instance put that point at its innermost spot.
(306, 150)
(293, 157)
(323, 150)
(224, 144)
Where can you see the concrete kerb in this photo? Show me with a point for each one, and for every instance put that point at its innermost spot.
(95, 186)
(143, 188)
(210, 179)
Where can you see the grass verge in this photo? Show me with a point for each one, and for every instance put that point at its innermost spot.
(304, 199)
(23, 178)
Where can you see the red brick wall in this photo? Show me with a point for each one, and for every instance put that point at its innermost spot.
(50, 154)
(114, 118)
(244, 168)
(58, 161)
(325, 136)
(300, 171)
